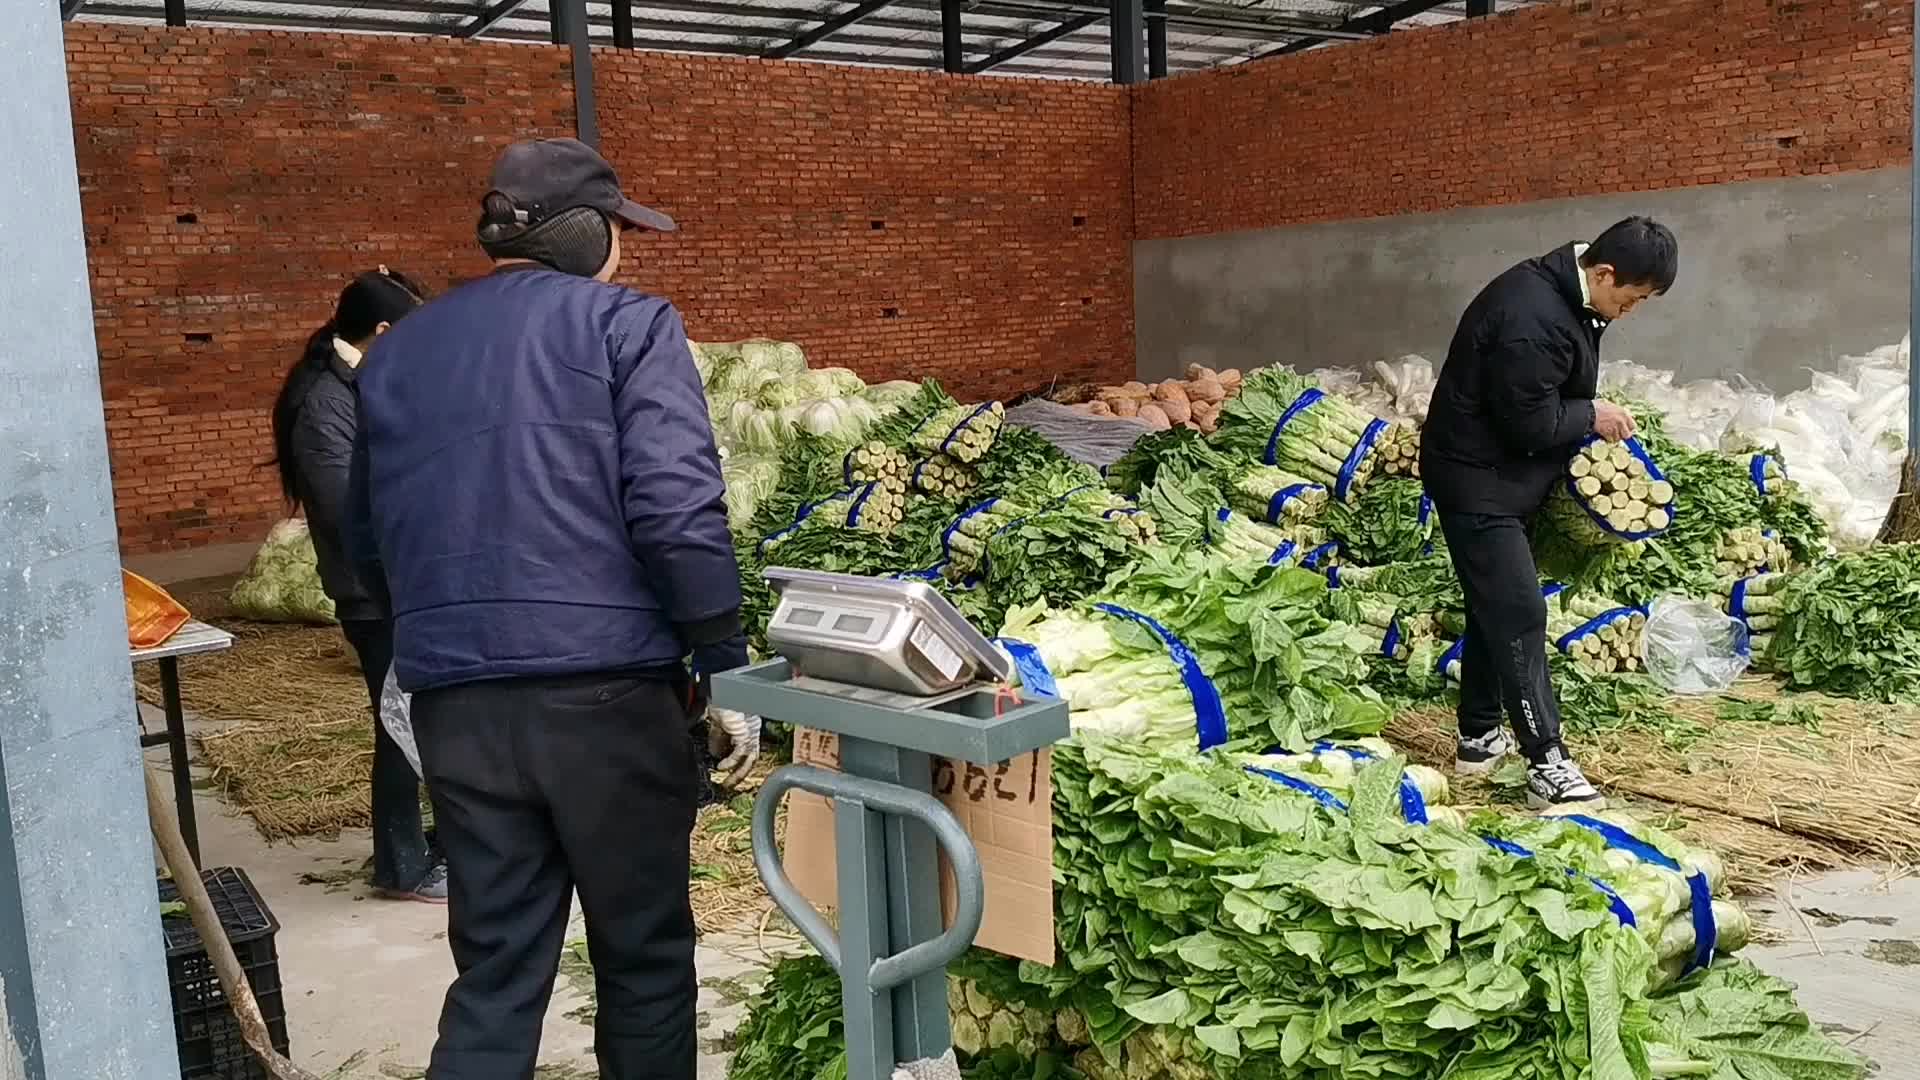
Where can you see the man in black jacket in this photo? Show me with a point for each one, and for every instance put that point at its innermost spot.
(1517, 397)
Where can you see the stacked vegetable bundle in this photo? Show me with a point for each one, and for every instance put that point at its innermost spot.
(1614, 493)
(1217, 922)
(1283, 419)
(1185, 650)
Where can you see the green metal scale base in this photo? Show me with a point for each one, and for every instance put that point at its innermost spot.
(889, 831)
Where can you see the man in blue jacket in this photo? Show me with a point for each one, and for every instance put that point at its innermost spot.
(536, 478)
(1518, 395)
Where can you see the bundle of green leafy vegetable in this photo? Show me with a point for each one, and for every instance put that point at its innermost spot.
(1384, 523)
(1214, 923)
(1274, 422)
(1283, 670)
(1851, 625)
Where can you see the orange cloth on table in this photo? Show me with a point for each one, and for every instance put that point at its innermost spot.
(152, 615)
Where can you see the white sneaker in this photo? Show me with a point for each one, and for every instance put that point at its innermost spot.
(1481, 755)
(1560, 784)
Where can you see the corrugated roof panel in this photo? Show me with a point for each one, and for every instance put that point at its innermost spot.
(905, 34)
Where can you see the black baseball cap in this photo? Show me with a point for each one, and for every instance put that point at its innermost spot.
(545, 176)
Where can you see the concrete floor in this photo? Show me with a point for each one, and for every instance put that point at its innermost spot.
(365, 976)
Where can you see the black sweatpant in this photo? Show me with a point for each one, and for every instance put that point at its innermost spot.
(400, 856)
(542, 787)
(1503, 665)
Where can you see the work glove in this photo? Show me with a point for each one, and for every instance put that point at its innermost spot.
(731, 736)
(736, 735)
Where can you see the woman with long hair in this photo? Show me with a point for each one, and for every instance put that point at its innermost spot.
(314, 420)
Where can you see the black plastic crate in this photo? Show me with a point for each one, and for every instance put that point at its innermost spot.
(203, 1023)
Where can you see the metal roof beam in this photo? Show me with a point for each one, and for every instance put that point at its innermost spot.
(1268, 29)
(489, 18)
(1378, 22)
(1022, 48)
(828, 28)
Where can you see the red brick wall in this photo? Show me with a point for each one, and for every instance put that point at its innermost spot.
(305, 158)
(1558, 101)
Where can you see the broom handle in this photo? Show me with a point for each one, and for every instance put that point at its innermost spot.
(206, 921)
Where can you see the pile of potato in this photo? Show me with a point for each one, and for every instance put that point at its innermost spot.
(1193, 402)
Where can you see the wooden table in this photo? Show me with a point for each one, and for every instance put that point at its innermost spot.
(193, 638)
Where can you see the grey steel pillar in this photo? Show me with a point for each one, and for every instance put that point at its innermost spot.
(572, 29)
(1127, 25)
(1913, 270)
(1156, 11)
(85, 983)
(953, 52)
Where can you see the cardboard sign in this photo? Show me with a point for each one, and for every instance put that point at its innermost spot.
(1008, 810)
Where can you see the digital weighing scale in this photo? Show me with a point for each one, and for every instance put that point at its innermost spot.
(901, 677)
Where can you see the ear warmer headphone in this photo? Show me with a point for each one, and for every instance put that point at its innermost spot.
(574, 241)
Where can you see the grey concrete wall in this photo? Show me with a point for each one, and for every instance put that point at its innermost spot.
(1776, 278)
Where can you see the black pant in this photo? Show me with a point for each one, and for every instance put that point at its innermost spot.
(542, 787)
(400, 856)
(1504, 662)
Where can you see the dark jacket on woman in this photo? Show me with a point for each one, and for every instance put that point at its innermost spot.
(1515, 398)
(323, 434)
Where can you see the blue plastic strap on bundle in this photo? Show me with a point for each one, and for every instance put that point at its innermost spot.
(1452, 654)
(1567, 639)
(859, 504)
(1757, 469)
(931, 573)
(947, 443)
(799, 519)
(1551, 589)
(1210, 715)
(1391, 640)
(1282, 553)
(1307, 399)
(1333, 577)
(1320, 554)
(1413, 805)
(1034, 674)
(1320, 795)
(1277, 505)
(1620, 908)
(913, 479)
(946, 534)
(1344, 484)
(1706, 934)
(1420, 519)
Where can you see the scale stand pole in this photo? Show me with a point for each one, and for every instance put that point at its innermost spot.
(910, 865)
(872, 971)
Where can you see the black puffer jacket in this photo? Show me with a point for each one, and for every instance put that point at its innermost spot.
(1515, 398)
(323, 433)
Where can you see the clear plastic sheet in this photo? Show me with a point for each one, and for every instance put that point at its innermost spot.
(1692, 647)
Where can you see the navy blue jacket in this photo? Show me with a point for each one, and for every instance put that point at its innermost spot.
(535, 475)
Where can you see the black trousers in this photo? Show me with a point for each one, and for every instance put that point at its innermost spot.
(400, 855)
(1503, 666)
(541, 788)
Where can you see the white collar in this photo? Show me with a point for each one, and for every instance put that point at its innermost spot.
(352, 356)
(1580, 272)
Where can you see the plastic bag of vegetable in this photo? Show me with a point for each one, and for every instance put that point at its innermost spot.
(282, 583)
(1692, 647)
